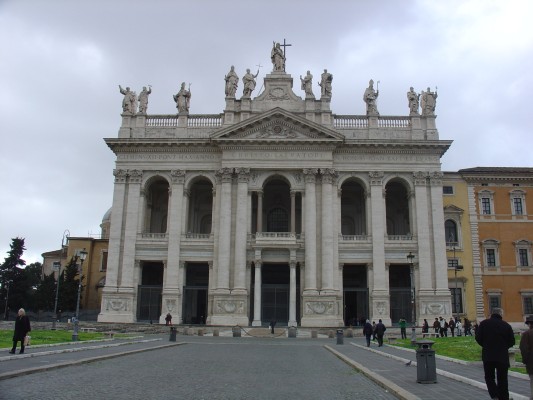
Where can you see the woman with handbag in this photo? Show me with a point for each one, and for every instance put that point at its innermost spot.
(22, 327)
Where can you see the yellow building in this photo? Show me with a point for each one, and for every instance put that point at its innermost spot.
(461, 275)
(502, 233)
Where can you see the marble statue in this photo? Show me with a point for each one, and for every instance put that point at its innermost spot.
(307, 84)
(325, 83)
(183, 99)
(143, 99)
(129, 102)
(413, 99)
(249, 83)
(277, 57)
(370, 96)
(232, 80)
(429, 102)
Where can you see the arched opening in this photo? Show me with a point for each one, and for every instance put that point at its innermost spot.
(397, 209)
(450, 229)
(200, 207)
(157, 206)
(353, 209)
(277, 206)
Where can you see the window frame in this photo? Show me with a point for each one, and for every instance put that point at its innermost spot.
(522, 246)
(491, 246)
(515, 195)
(486, 197)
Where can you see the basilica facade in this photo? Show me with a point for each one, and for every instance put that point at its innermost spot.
(277, 208)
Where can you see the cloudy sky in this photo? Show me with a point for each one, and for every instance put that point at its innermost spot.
(61, 62)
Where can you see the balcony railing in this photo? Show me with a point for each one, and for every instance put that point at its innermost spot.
(400, 237)
(350, 238)
(198, 235)
(153, 235)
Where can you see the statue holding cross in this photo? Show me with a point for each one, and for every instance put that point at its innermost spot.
(278, 56)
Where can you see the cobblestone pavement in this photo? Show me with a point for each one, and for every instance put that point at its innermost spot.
(204, 368)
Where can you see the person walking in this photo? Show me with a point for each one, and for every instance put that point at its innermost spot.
(22, 327)
(495, 336)
(403, 326)
(368, 331)
(526, 350)
(380, 331)
(168, 320)
(451, 325)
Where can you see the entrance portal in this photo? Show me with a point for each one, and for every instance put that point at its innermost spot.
(355, 294)
(149, 292)
(400, 293)
(275, 293)
(195, 293)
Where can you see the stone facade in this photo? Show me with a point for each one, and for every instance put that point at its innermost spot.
(276, 209)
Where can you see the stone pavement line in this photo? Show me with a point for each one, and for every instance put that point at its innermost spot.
(71, 350)
(33, 370)
(472, 382)
(378, 379)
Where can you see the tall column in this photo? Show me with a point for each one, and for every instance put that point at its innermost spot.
(439, 241)
(293, 211)
(241, 229)
(420, 180)
(310, 229)
(224, 239)
(328, 176)
(380, 289)
(292, 294)
(259, 211)
(186, 201)
(130, 230)
(257, 294)
(172, 283)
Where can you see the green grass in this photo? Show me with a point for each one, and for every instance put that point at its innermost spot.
(463, 348)
(48, 337)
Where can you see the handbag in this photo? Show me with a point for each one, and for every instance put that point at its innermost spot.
(27, 339)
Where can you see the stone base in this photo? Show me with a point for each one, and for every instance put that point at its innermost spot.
(321, 311)
(230, 309)
(117, 307)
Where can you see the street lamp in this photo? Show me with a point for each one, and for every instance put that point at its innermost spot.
(456, 267)
(410, 258)
(57, 266)
(82, 256)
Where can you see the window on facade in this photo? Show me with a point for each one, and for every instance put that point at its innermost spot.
(457, 300)
(103, 266)
(450, 228)
(278, 220)
(491, 257)
(494, 302)
(518, 202)
(528, 304)
(517, 206)
(485, 206)
(447, 189)
(523, 258)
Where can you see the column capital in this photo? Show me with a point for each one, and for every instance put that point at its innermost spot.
(120, 175)
(182, 264)
(341, 266)
(243, 174)
(376, 178)
(177, 176)
(420, 178)
(135, 175)
(328, 175)
(436, 178)
(310, 174)
(225, 175)
(210, 264)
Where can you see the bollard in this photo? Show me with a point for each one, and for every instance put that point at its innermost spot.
(331, 335)
(340, 336)
(292, 331)
(185, 331)
(349, 333)
(216, 332)
(314, 334)
(200, 332)
(236, 331)
(172, 335)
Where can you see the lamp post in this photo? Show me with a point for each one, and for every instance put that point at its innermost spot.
(456, 267)
(410, 258)
(57, 265)
(82, 256)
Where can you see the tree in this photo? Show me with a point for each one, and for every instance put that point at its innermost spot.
(45, 293)
(11, 276)
(68, 288)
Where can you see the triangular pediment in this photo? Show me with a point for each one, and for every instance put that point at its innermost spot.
(277, 125)
(452, 209)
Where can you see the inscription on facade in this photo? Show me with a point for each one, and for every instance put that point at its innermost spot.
(255, 155)
(170, 157)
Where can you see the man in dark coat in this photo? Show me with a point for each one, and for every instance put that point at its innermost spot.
(22, 327)
(496, 336)
(368, 331)
(380, 331)
(526, 350)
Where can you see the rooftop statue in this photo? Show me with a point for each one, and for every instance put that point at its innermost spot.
(307, 84)
(232, 80)
(413, 99)
(249, 83)
(325, 83)
(370, 97)
(143, 99)
(429, 102)
(277, 57)
(129, 102)
(183, 99)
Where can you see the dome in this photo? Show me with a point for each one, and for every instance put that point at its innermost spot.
(107, 216)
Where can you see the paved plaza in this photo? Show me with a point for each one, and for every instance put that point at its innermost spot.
(225, 367)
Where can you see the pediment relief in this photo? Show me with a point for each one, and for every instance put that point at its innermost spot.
(452, 209)
(280, 125)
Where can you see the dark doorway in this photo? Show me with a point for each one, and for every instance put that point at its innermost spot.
(275, 290)
(355, 294)
(149, 292)
(400, 293)
(195, 293)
